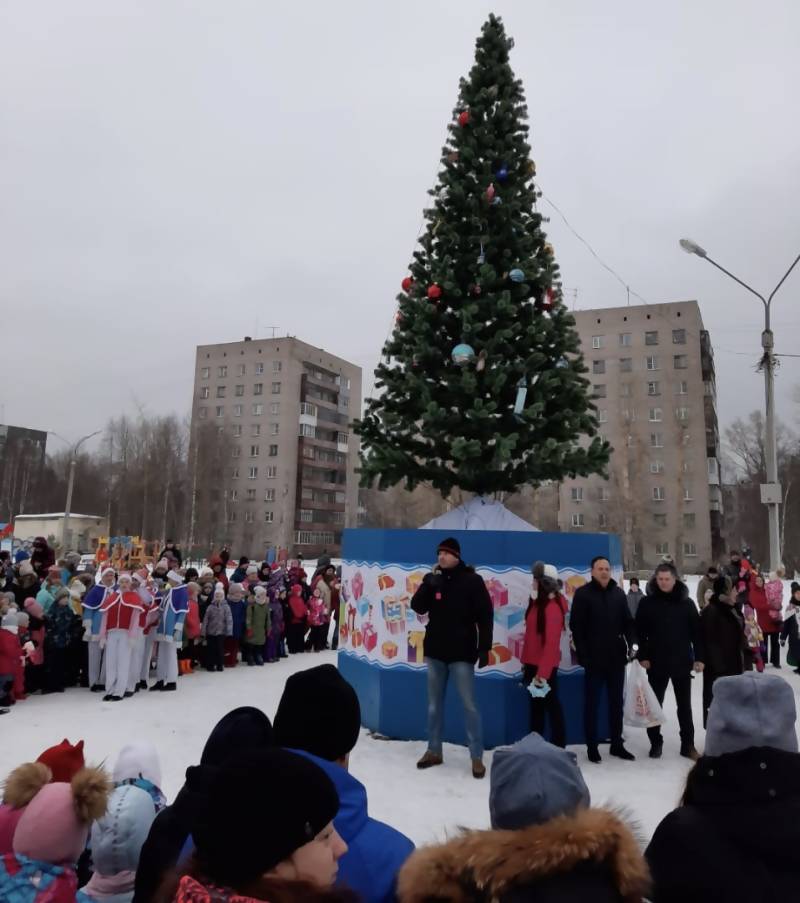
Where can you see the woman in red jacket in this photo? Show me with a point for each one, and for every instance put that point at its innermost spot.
(770, 624)
(541, 653)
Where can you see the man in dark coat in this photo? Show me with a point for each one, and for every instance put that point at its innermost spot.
(727, 841)
(170, 550)
(458, 634)
(603, 632)
(668, 627)
(722, 632)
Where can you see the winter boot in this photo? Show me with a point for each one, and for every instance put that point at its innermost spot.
(478, 769)
(594, 755)
(618, 750)
(259, 660)
(429, 760)
(656, 748)
(142, 685)
(169, 686)
(158, 685)
(98, 688)
(127, 694)
(689, 752)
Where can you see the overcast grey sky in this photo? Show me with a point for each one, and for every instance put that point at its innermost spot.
(177, 173)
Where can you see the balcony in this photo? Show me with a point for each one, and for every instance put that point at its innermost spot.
(308, 414)
(713, 471)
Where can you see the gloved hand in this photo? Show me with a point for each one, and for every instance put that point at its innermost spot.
(483, 659)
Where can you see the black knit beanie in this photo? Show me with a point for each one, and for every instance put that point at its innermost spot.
(451, 545)
(235, 841)
(319, 713)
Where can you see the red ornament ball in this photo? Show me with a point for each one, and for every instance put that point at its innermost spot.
(463, 118)
(407, 283)
(434, 292)
(490, 192)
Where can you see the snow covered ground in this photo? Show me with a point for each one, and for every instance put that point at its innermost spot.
(425, 805)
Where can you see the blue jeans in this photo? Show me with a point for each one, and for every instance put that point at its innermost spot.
(463, 674)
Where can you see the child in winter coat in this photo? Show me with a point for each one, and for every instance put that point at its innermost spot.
(791, 629)
(754, 636)
(12, 676)
(61, 625)
(257, 626)
(50, 837)
(138, 764)
(769, 619)
(318, 619)
(238, 607)
(272, 647)
(217, 624)
(296, 628)
(34, 666)
(189, 655)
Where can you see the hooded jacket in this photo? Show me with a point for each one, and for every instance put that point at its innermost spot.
(722, 630)
(731, 839)
(460, 614)
(376, 852)
(668, 628)
(589, 856)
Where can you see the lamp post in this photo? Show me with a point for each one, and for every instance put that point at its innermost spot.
(771, 490)
(70, 483)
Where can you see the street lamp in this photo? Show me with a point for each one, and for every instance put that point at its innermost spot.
(70, 483)
(771, 490)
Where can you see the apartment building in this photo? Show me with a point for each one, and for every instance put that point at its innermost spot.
(652, 373)
(277, 459)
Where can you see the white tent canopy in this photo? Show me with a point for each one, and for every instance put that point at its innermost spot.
(479, 514)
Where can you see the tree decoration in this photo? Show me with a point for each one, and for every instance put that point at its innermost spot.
(455, 426)
(463, 118)
(490, 192)
(407, 283)
(531, 167)
(501, 174)
(516, 275)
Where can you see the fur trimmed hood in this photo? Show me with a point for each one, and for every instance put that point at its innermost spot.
(490, 864)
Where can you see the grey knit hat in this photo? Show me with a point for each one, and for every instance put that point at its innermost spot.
(532, 782)
(751, 710)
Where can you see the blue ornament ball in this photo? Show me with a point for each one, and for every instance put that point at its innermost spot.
(463, 355)
(502, 174)
(562, 363)
(516, 275)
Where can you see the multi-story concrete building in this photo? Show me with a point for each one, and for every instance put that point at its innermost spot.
(22, 454)
(271, 418)
(652, 372)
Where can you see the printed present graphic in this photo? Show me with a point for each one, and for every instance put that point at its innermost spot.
(357, 585)
(509, 616)
(351, 618)
(370, 637)
(343, 634)
(416, 640)
(413, 582)
(363, 607)
(499, 654)
(498, 592)
(389, 649)
(356, 638)
(516, 642)
(385, 582)
(394, 610)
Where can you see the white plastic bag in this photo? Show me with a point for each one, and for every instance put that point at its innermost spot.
(641, 706)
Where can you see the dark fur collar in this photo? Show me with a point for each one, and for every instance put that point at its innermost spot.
(497, 861)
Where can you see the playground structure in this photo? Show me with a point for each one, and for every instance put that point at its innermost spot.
(126, 552)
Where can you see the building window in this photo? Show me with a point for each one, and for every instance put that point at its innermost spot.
(629, 414)
(276, 388)
(232, 517)
(272, 472)
(603, 494)
(342, 438)
(655, 415)
(660, 520)
(630, 441)
(269, 517)
(275, 407)
(205, 372)
(235, 475)
(237, 410)
(273, 451)
(259, 369)
(656, 467)
(237, 430)
(277, 366)
(626, 365)
(238, 391)
(252, 474)
(274, 429)
(236, 451)
(686, 467)
(651, 362)
(220, 410)
(651, 338)
(241, 369)
(653, 388)
(306, 515)
(248, 517)
(251, 495)
(204, 392)
(625, 339)
(312, 537)
(602, 520)
(344, 401)
(254, 450)
(689, 550)
(687, 494)
(307, 409)
(658, 494)
(598, 366)
(682, 387)
(577, 493)
(597, 341)
(682, 413)
(600, 391)
(258, 388)
(202, 413)
(680, 361)
(310, 432)
(678, 336)
(222, 372)
(578, 519)
(255, 429)
(258, 410)
(234, 495)
(625, 390)
(686, 438)
(656, 440)
(689, 521)
(269, 495)
(602, 416)
(662, 548)
(220, 391)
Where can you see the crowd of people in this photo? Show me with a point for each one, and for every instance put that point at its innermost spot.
(271, 812)
(110, 632)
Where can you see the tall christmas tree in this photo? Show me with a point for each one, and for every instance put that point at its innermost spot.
(481, 381)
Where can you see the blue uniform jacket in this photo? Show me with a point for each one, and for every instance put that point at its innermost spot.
(376, 851)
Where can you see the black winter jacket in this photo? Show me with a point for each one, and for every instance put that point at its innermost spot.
(732, 839)
(668, 627)
(460, 614)
(602, 625)
(791, 631)
(722, 631)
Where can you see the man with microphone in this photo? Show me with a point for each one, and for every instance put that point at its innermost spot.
(458, 634)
